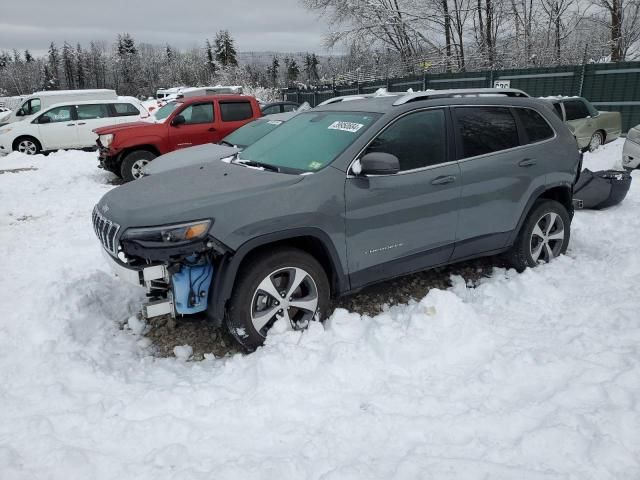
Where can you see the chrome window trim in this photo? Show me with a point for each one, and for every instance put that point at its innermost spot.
(431, 167)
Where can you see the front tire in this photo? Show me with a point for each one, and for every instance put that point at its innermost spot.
(27, 145)
(283, 284)
(543, 237)
(133, 164)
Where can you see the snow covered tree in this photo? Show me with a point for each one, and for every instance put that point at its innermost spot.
(28, 58)
(54, 67)
(127, 62)
(5, 58)
(68, 66)
(311, 63)
(272, 70)
(80, 67)
(292, 69)
(211, 59)
(225, 50)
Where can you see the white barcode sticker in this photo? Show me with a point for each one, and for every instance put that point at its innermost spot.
(346, 126)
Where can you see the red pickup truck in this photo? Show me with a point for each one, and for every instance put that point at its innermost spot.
(126, 148)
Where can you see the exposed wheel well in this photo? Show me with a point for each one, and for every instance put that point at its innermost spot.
(147, 148)
(309, 244)
(561, 195)
(14, 146)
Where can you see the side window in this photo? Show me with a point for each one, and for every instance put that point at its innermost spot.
(90, 112)
(535, 127)
(418, 140)
(58, 114)
(288, 107)
(486, 129)
(125, 109)
(267, 111)
(558, 109)
(29, 108)
(198, 113)
(235, 111)
(575, 109)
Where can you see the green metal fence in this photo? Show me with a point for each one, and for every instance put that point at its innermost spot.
(611, 86)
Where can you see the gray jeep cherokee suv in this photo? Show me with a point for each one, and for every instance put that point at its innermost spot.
(343, 196)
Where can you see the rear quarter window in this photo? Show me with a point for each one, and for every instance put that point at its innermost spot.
(125, 110)
(535, 126)
(486, 130)
(235, 111)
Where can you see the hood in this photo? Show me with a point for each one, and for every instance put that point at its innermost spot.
(192, 193)
(141, 126)
(188, 157)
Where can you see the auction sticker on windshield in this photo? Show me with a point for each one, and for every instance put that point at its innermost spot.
(346, 126)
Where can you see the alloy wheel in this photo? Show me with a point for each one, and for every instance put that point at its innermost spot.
(289, 293)
(138, 167)
(596, 141)
(27, 147)
(547, 238)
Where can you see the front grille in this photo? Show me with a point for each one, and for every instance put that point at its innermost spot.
(106, 230)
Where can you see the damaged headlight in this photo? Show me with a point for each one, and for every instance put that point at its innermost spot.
(106, 140)
(169, 234)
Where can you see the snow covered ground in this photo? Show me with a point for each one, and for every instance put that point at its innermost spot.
(526, 376)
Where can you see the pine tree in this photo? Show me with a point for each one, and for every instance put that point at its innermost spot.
(311, 67)
(54, 67)
(5, 58)
(126, 46)
(80, 67)
(169, 52)
(129, 62)
(16, 56)
(293, 71)
(272, 71)
(211, 61)
(225, 49)
(28, 58)
(68, 65)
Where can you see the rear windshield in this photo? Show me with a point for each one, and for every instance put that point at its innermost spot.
(311, 140)
(167, 110)
(252, 131)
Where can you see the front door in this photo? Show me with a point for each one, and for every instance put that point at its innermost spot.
(57, 128)
(198, 128)
(405, 222)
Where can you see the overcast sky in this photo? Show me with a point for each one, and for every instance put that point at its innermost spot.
(256, 25)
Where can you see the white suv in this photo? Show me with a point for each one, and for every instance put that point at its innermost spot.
(68, 125)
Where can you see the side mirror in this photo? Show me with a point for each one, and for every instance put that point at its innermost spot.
(44, 119)
(379, 163)
(178, 120)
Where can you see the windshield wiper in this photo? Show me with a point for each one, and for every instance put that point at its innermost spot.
(253, 163)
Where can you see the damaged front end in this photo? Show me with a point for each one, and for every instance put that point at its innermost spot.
(175, 263)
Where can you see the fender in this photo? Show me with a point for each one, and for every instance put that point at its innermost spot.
(131, 143)
(534, 197)
(227, 268)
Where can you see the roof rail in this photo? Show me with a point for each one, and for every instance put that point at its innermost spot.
(460, 93)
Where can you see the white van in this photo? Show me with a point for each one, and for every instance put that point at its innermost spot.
(68, 125)
(39, 101)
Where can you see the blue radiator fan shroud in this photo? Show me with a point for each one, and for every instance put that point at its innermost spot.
(191, 286)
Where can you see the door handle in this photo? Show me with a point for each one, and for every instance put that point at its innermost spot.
(82, 123)
(443, 180)
(212, 129)
(71, 124)
(527, 162)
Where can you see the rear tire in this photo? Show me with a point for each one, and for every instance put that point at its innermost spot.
(133, 163)
(27, 145)
(544, 235)
(597, 140)
(285, 283)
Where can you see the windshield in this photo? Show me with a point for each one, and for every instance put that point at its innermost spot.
(310, 141)
(166, 110)
(248, 134)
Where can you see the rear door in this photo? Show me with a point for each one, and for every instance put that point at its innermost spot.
(407, 221)
(125, 112)
(499, 173)
(57, 128)
(199, 127)
(233, 115)
(91, 116)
